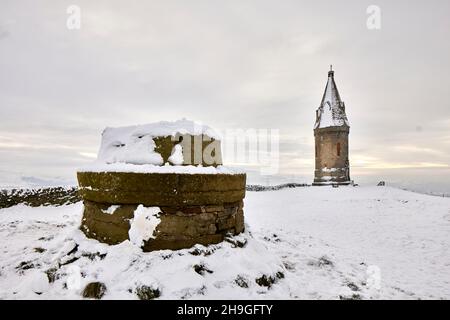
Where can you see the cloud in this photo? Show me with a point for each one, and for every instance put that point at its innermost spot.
(243, 64)
(4, 29)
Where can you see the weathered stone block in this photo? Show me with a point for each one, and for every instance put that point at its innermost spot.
(192, 226)
(208, 152)
(240, 221)
(105, 227)
(161, 189)
(227, 223)
(158, 244)
(228, 211)
(182, 229)
(217, 208)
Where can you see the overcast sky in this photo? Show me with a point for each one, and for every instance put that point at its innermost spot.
(229, 64)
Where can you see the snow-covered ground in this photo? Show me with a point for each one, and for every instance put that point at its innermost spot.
(303, 243)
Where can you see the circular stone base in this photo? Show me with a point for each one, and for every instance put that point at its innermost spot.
(193, 208)
(161, 189)
(179, 227)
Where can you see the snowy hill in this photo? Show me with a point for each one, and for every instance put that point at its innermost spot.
(301, 243)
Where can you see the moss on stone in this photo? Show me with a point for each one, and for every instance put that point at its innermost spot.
(161, 189)
(195, 208)
(157, 244)
(104, 227)
(207, 154)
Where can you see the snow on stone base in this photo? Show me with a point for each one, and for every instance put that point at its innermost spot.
(148, 168)
(135, 144)
(111, 209)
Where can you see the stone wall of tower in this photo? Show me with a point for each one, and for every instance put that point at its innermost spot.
(332, 166)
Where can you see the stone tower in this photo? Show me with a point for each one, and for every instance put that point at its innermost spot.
(331, 138)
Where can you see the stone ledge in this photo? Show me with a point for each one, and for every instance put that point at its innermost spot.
(161, 189)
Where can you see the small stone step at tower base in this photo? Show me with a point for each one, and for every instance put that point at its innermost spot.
(344, 183)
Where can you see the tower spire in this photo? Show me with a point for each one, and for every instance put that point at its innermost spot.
(331, 111)
(331, 72)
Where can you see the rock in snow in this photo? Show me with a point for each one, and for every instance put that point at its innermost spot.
(299, 243)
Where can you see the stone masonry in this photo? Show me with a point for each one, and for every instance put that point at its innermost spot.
(190, 208)
(331, 133)
(180, 227)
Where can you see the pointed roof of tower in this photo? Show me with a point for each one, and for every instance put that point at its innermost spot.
(331, 112)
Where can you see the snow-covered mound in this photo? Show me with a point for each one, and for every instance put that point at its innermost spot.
(314, 243)
(136, 145)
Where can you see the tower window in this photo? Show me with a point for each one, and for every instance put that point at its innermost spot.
(338, 149)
